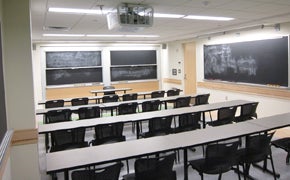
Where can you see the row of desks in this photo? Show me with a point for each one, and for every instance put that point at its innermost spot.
(46, 128)
(98, 98)
(64, 161)
(113, 104)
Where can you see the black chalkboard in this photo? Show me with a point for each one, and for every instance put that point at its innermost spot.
(3, 120)
(62, 59)
(257, 62)
(133, 73)
(72, 76)
(133, 57)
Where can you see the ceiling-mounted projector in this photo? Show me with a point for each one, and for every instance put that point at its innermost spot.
(130, 17)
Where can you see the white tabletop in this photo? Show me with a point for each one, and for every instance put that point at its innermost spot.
(43, 111)
(116, 151)
(110, 90)
(273, 122)
(137, 117)
(69, 99)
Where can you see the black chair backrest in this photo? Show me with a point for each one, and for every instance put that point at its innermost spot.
(159, 125)
(173, 92)
(227, 114)
(79, 101)
(129, 97)
(110, 98)
(54, 103)
(127, 108)
(159, 168)
(55, 116)
(111, 172)
(182, 102)
(258, 147)
(157, 94)
(201, 99)
(248, 111)
(152, 105)
(68, 139)
(89, 112)
(220, 158)
(187, 122)
(109, 92)
(109, 133)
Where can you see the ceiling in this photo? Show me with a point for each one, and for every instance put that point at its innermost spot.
(247, 13)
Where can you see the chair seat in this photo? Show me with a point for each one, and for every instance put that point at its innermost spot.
(199, 165)
(283, 143)
(69, 146)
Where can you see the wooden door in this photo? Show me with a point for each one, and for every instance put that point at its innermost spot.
(189, 68)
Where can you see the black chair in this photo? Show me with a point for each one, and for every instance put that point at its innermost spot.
(111, 172)
(108, 133)
(54, 103)
(157, 94)
(158, 126)
(201, 99)
(68, 139)
(257, 149)
(173, 92)
(152, 105)
(182, 102)
(188, 122)
(89, 112)
(283, 143)
(108, 99)
(55, 116)
(219, 158)
(79, 101)
(157, 168)
(129, 97)
(226, 115)
(248, 112)
(127, 108)
(109, 92)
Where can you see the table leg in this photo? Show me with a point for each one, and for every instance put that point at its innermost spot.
(185, 164)
(203, 120)
(66, 176)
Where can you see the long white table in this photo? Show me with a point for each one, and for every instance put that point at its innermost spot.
(110, 90)
(69, 99)
(64, 161)
(46, 128)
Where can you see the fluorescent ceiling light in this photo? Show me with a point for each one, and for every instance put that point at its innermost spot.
(146, 36)
(214, 18)
(112, 35)
(78, 11)
(104, 35)
(159, 15)
(66, 35)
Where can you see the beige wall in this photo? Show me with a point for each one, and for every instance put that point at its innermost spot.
(18, 79)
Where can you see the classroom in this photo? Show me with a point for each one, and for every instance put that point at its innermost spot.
(187, 61)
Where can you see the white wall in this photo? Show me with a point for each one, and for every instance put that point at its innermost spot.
(173, 59)
(18, 80)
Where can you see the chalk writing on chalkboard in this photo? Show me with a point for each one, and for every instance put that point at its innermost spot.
(258, 62)
(62, 59)
(133, 73)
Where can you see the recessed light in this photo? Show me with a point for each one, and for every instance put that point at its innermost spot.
(160, 15)
(62, 35)
(213, 18)
(78, 11)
